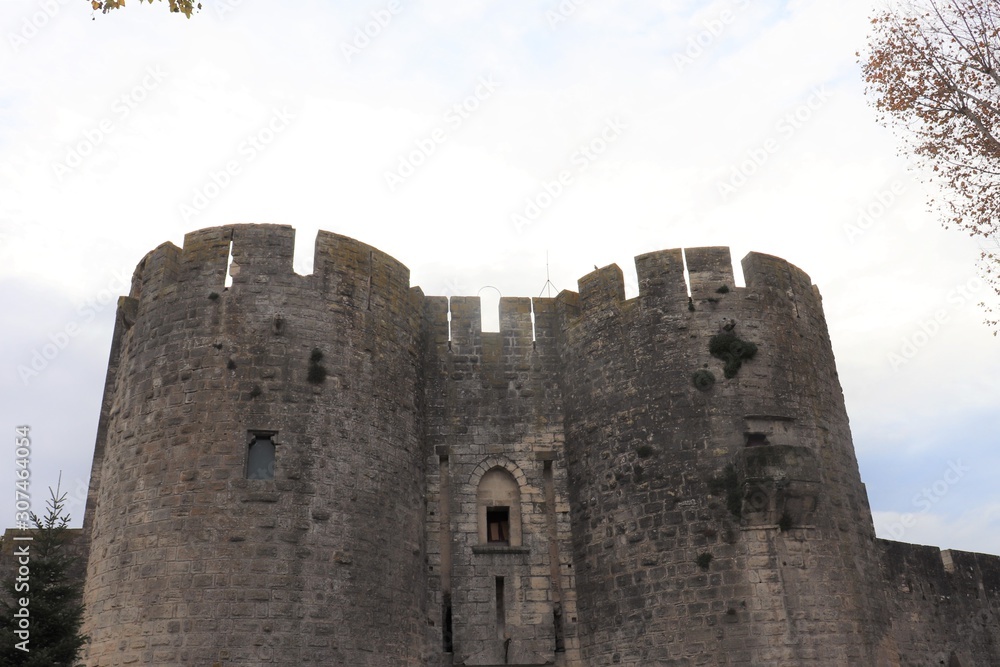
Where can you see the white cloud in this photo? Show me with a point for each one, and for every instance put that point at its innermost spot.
(976, 529)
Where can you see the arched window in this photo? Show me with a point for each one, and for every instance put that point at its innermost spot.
(498, 503)
(260, 456)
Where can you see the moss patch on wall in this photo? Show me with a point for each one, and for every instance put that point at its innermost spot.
(731, 349)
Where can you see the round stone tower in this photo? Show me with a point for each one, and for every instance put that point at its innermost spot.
(718, 513)
(257, 487)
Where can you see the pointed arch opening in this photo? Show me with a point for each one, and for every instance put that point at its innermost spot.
(498, 504)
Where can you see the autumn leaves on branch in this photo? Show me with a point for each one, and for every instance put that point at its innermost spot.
(932, 72)
(186, 7)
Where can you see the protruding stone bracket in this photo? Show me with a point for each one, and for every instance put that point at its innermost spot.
(780, 484)
(776, 429)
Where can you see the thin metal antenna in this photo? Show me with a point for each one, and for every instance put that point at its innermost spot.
(547, 287)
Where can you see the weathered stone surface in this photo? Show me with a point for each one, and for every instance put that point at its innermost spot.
(562, 492)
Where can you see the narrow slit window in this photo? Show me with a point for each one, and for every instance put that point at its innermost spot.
(446, 631)
(231, 269)
(501, 610)
(260, 456)
(498, 525)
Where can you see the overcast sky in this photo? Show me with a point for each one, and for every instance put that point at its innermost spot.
(468, 140)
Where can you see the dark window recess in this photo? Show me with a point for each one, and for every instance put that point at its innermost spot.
(501, 611)
(260, 456)
(446, 630)
(498, 525)
(557, 626)
(756, 439)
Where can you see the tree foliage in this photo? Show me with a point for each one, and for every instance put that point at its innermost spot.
(54, 596)
(186, 7)
(932, 71)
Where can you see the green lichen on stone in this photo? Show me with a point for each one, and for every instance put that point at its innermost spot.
(317, 372)
(728, 483)
(731, 349)
(703, 379)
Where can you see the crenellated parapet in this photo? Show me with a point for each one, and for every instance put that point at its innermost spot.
(347, 270)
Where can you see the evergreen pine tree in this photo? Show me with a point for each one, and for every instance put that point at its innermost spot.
(55, 604)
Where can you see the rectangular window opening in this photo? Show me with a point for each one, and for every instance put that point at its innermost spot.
(756, 439)
(557, 627)
(260, 455)
(498, 525)
(501, 612)
(446, 631)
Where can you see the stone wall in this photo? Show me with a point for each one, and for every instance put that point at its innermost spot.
(714, 523)
(191, 561)
(494, 405)
(664, 480)
(945, 605)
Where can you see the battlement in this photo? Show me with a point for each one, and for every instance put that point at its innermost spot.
(343, 268)
(709, 277)
(673, 280)
(358, 273)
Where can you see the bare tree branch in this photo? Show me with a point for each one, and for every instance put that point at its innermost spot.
(931, 72)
